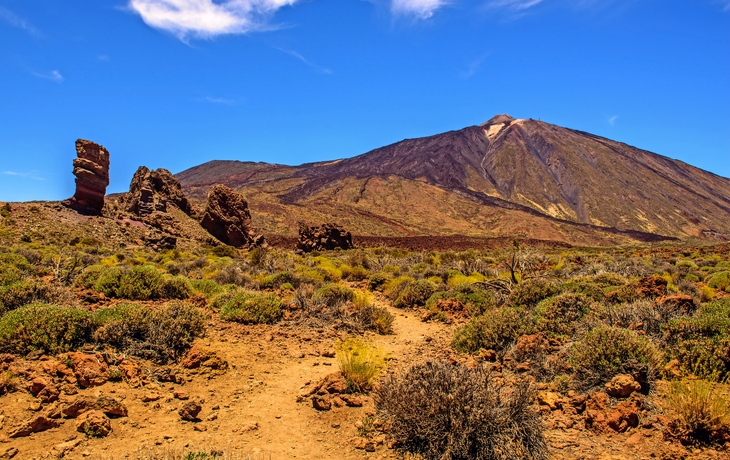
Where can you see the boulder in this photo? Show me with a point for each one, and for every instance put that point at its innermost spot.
(153, 191)
(90, 370)
(622, 385)
(189, 411)
(95, 424)
(34, 425)
(91, 169)
(324, 237)
(227, 218)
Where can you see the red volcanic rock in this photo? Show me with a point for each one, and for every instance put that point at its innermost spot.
(153, 191)
(325, 237)
(227, 218)
(91, 169)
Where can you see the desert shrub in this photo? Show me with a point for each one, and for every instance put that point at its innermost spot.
(232, 275)
(559, 315)
(258, 256)
(356, 273)
(376, 281)
(379, 319)
(50, 328)
(393, 288)
(719, 281)
(207, 288)
(699, 412)
(174, 287)
(443, 411)
(607, 351)
(530, 292)
(495, 331)
(16, 260)
(333, 295)
(9, 274)
(249, 307)
(108, 281)
(140, 283)
(360, 362)
(24, 293)
(414, 294)
(477, 301)
(224, 251)
(121, 324)
(629, 315)
(9, 382)
(277, 279)
(90, 276)
(172, 329)
(702, 342)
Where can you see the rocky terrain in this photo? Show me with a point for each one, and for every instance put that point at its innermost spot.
(506, 176)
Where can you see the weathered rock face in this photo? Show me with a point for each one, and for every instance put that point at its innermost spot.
(153, 191)
(227, 218)
(325, 237)
(91, 169)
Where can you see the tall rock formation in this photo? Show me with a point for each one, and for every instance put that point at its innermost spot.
(91, 169)
(153, 191)
(227, 218)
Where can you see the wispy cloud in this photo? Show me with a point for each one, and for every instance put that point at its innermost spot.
(514, 5)
(306, 61)
(612, 120)
(422, 9)
(726, 5)
(472, 68)
(103, 58)
(14, 20)
(218, 100)
(31, 175)
(54, 76)
(207, 18)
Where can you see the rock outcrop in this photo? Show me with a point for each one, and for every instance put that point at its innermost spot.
(153, 191)
(227, 218)
(325, 237)
(91, 169)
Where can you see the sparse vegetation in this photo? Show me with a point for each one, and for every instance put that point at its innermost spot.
(360, 362)
(444, 411)
(700, 412)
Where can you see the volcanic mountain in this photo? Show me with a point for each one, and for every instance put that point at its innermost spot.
(506, 177)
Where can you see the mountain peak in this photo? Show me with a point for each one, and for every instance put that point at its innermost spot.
(498, 120)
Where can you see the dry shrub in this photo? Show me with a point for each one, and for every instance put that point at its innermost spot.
(496, 330)
(700, 413)
(360, 362)
(442, 411)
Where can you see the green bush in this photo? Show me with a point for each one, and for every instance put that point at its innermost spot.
(121, 324)
(9, 274)
(140, 283)
(172, 329)
(414, 294)
(375, 318)
(702, 342)
(107, 281)
(559, 316)
(333, 295)
(377, 281)
(607, 351)
(207, 288)
(49, 328)
(174, 287)
(88, 278)
(530, 292)
(494, 331)
(477, 301)
(16, 260)
(24, 293)
(277, 279)
(440, 411)
(393, 288)
(249, 307)
(719, 281)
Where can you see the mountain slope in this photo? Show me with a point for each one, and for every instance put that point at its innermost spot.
(539, 174)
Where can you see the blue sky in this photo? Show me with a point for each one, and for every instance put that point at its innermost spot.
(175, 83)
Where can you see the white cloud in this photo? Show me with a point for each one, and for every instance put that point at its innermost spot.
(422, 9)
(30, 175)
(15, 21)
(306, 61)
(515, 5)
(218, 100)
(612, 120)
(53, 75)
(206, 18)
